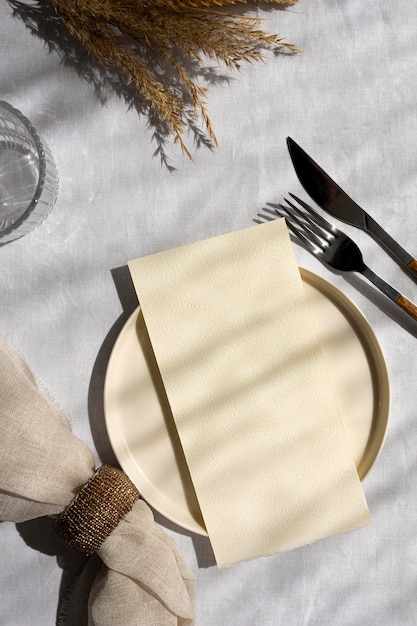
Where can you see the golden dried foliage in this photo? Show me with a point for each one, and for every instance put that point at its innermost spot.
(125, 34)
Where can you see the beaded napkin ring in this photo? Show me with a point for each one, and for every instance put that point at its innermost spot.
(97, 509)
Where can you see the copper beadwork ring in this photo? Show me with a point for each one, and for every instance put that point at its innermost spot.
(97, 509)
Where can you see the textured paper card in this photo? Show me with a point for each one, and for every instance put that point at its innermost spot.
(249, 392)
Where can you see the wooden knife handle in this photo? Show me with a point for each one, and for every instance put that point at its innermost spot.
(407, 306)
(413, 266)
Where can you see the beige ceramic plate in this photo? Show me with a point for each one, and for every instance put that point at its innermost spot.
(141, 427)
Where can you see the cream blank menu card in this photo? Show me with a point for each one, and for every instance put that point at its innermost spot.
(249, 392)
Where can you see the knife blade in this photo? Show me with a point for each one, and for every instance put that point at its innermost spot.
(329, 196)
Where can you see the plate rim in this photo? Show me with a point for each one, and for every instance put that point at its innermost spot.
(374, 353)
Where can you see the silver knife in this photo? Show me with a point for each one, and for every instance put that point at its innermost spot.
(330, 197)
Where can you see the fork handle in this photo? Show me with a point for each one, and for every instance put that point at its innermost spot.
(404, 303)
(407, 306)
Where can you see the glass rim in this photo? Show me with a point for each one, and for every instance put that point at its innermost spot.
(40, 148)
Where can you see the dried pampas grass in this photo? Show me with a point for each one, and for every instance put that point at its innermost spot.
(160, 46)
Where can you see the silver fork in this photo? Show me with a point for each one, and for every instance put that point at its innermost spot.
(334, 248)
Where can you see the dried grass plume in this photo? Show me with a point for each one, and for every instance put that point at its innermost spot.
(155, 46)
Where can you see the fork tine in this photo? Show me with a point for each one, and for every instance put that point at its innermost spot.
(300, 229)
(320, 227)
(298, 233)
(319, 219)
(304, 224)
(306, 221)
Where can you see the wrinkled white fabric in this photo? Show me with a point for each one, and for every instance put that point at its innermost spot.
(43, 464)
(131, 550)
(144, 579)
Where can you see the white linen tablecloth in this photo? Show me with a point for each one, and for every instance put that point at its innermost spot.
(350, 100)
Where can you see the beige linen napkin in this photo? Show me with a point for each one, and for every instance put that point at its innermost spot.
(43, 465)
(249, 392)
